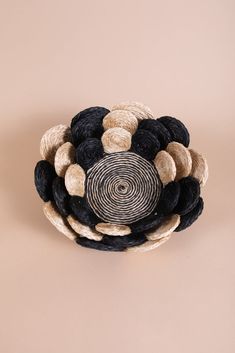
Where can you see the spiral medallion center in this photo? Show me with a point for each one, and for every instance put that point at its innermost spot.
(122, 188)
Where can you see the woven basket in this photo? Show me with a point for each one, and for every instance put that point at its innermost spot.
(119, 179)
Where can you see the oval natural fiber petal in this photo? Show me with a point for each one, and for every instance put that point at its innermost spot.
(121, 118)
(52, 140)
(113, 229)
(116, 140)
(57, 220)
(199, 167)
(65, 155)
(149, 245)
(84, 230)
(182, 158)
(167, 227)
(75, 178)
(140, 110)
(165, 166)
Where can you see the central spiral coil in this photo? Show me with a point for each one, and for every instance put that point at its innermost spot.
(123, 188)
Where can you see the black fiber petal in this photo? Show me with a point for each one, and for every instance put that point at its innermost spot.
(189, 218)
(169, 198)
(88, 123)
(145, 144)
(82, 211)
(98, 245)
(44, 174)
(176, 128)
(189, 195)
(61, 196)
(158, 130)
(113, 243)
(89, 152)
(152, 221)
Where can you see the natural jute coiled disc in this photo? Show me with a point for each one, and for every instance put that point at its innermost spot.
(123, 188)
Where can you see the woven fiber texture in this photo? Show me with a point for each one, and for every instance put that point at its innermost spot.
(121, 182)
(120, 179)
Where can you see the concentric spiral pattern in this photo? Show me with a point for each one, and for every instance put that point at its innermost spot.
(120, 179)
(123, 188)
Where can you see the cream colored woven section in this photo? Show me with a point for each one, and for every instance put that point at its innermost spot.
(140, 110)
(199, 167)
(165, 166)
(113, 229)
(75, 180)
(182, 159)
(121, 118)
(52, 140)
(58, 221)
(83, 230)
(116, 139)
(65, 155)
(169, 225)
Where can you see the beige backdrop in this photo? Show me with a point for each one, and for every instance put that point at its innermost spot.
(58, 57)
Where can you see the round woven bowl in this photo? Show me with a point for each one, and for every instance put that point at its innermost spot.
(120, 179)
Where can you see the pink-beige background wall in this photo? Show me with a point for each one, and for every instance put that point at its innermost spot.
(58, 57)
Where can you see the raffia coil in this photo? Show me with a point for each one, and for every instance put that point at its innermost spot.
(122, 182)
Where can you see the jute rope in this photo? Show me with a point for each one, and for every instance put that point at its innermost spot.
(116, 139)
(182, 158)
(199, 167)
(65, 155)
(83, 230)
(123, 188)
(52, 140)
(140, 110)
(165, 166)
(168, 226)
(113, 229)
(121, 118)
(75, 180)
(58, 221)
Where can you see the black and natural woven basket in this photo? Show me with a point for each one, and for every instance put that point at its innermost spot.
(120, 180)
